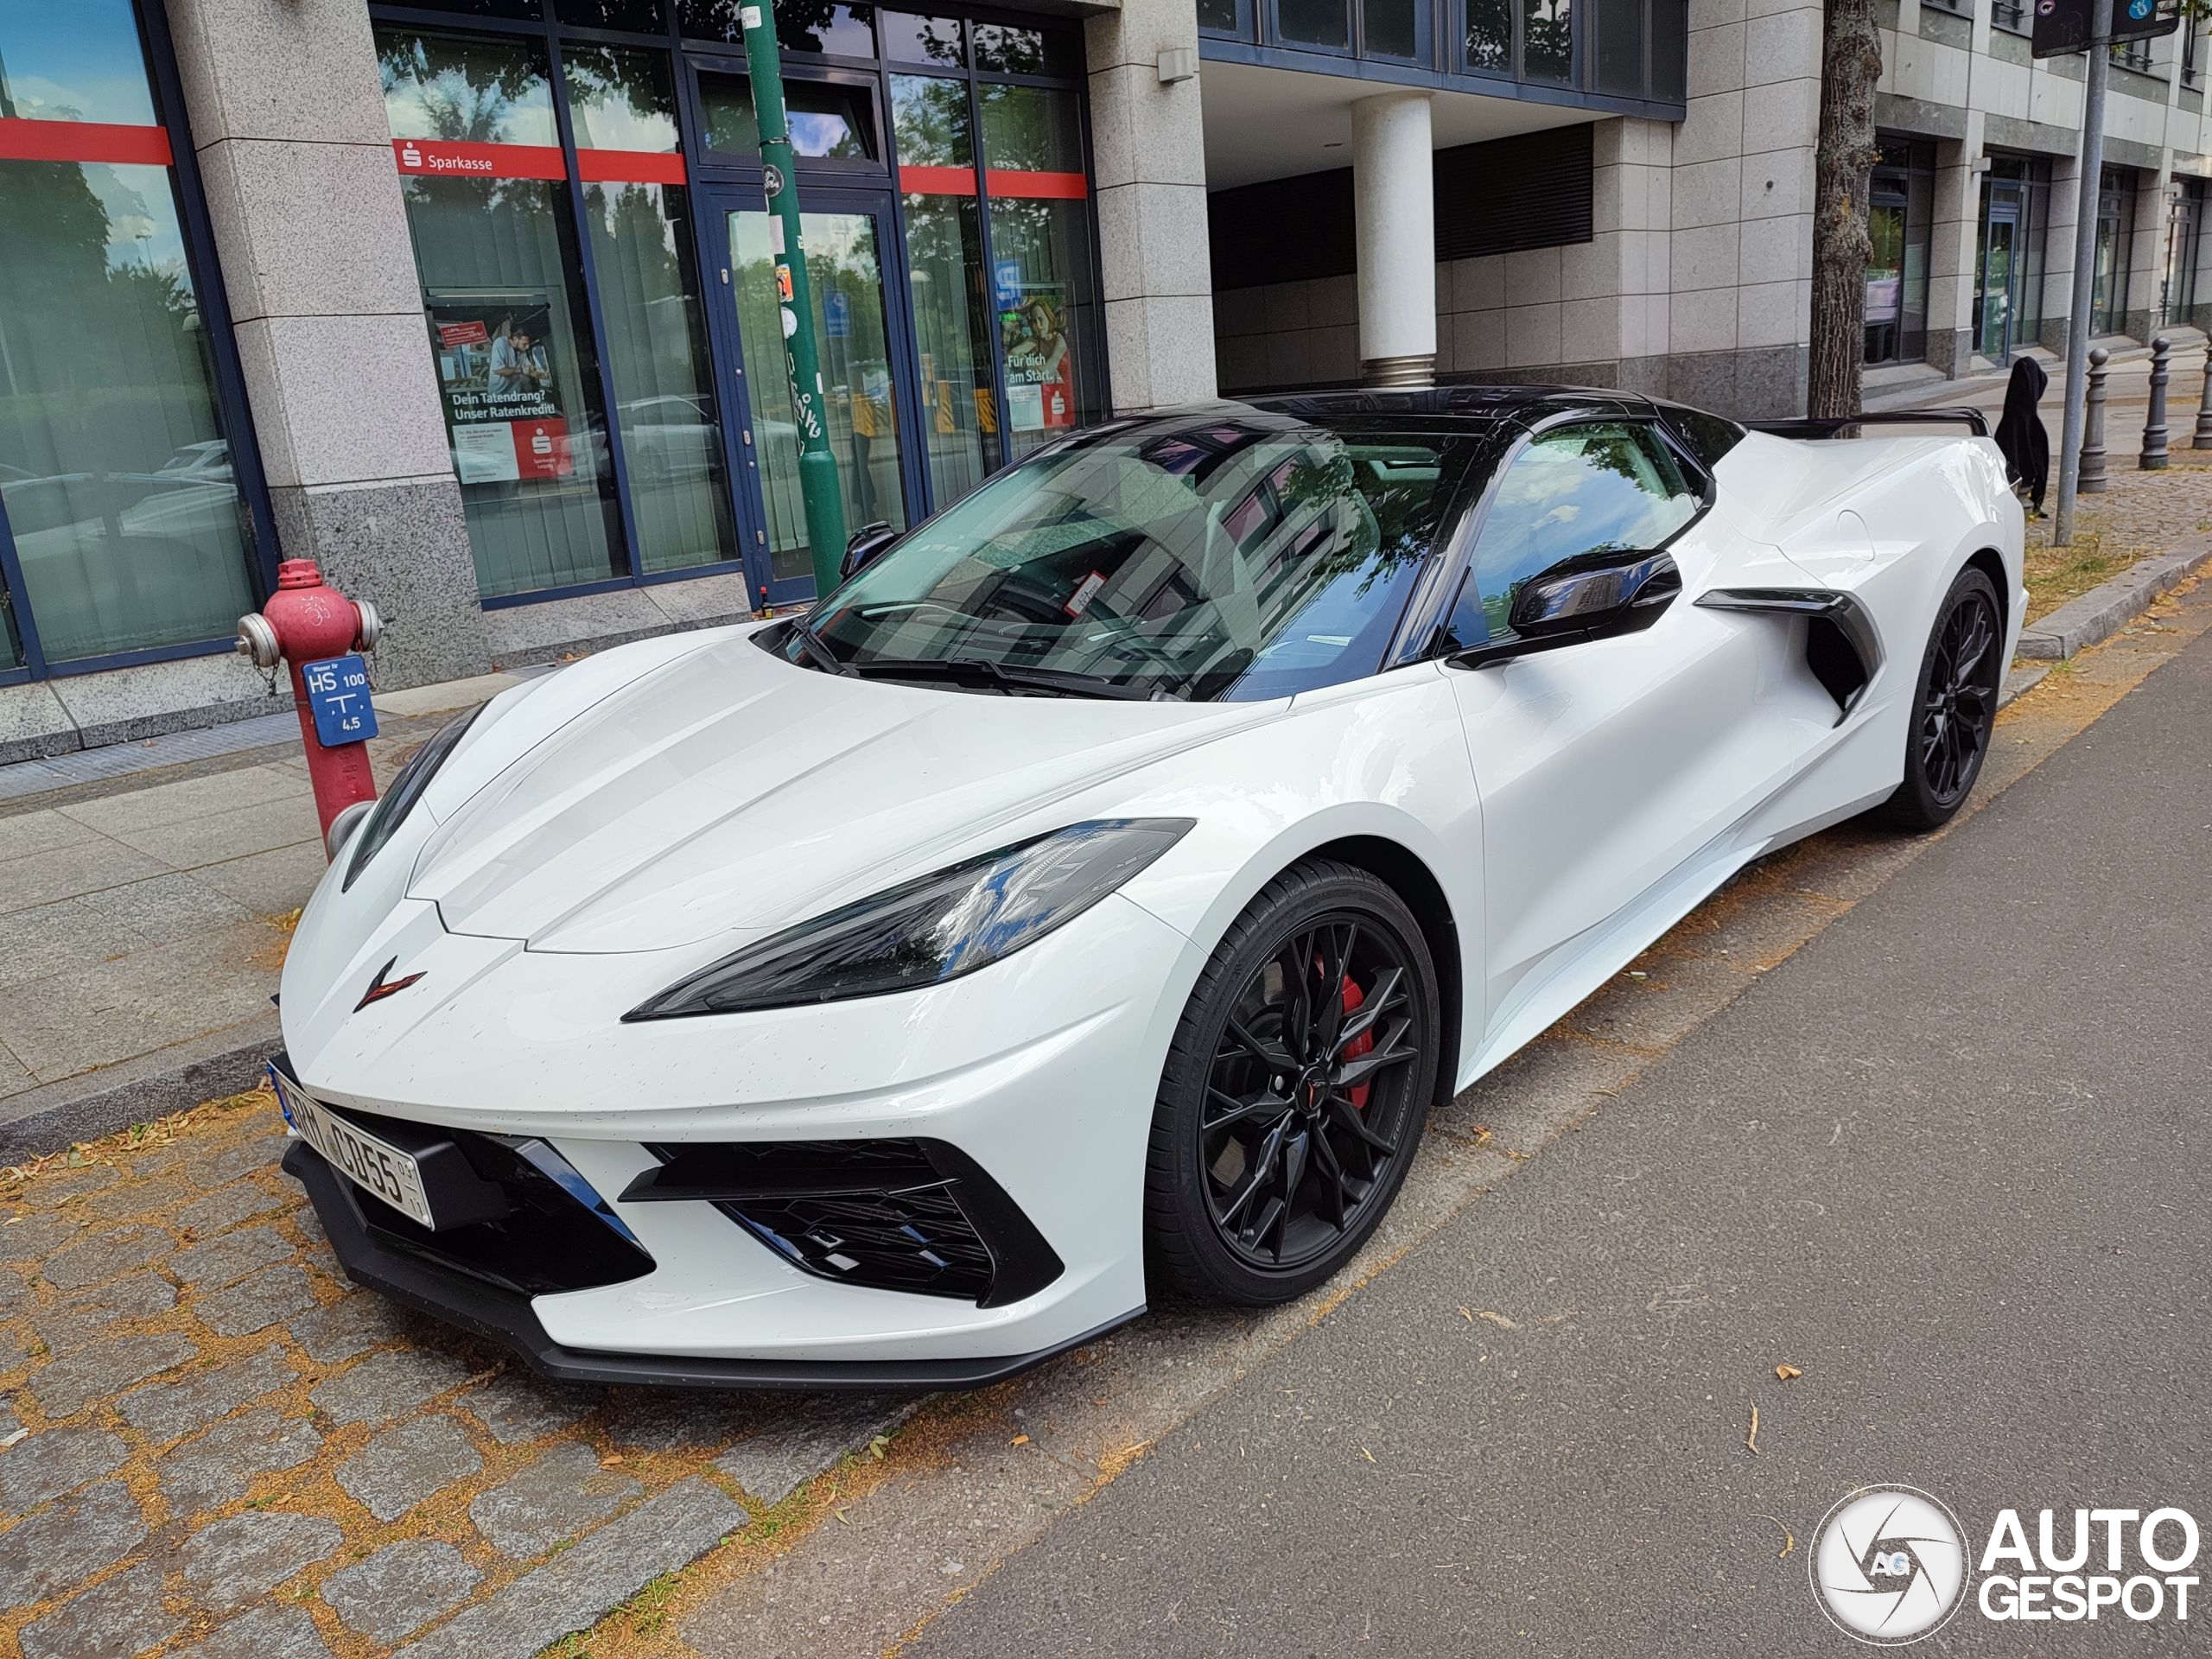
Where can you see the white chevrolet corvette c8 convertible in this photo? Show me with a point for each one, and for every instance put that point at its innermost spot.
(1087, 902)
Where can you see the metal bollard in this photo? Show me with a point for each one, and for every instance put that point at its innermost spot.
(2153, 458)
(2091, 480)
(2203, 438)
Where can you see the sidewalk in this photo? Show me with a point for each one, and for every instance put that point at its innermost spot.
(146, 914)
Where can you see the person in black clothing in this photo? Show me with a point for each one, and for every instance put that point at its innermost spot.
(2027, 446)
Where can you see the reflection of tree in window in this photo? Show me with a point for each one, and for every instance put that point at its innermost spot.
(1547, 39)
(1489, 35)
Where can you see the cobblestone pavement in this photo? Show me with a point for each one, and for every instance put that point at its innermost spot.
(216, 1448)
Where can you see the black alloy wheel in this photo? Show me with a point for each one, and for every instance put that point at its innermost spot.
(1954, 706)
(1296, 1091)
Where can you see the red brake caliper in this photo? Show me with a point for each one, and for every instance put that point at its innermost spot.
(1358, 1046)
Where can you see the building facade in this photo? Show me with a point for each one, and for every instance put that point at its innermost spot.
(469, 299)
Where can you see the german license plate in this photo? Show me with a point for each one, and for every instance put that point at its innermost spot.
(382, 1168)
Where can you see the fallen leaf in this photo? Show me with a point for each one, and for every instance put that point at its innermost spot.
(1786, 1372)
(1752, 1439)
(839, 1514)
(10, 1439)
(1020, 1439)
(610, 1460)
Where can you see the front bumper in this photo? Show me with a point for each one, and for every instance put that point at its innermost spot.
(507, 1319)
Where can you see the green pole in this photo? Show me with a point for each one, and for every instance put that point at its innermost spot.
(818, 466)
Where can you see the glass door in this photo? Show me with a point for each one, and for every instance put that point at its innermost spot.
(1995, 299)
(864, 373)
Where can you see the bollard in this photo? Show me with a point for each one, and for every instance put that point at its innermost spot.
(2092, 477)
(2153, 458)
(2203, 438)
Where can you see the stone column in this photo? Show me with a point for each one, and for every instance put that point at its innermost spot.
(287, 113)
(1954, 246)
(1394, 213)
(1149, 164)
(2146, 258)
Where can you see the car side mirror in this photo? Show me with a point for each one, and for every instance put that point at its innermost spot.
(1591, 596)
(866, 543)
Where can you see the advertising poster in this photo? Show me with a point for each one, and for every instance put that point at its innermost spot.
(503, 408)
(1039, 358)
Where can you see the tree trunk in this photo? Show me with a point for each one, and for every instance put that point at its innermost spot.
(1851, 64)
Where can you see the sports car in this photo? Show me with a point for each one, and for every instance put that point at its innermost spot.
(1085, 903)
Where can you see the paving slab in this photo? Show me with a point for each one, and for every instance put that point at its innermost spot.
(68, 1543)
(553, 1498)
(79, 1319)
(76, 866)
(268, 1632)
(231, 1562)
(222, 836)
(813, 1434)
(400, 1589)
(24, 833)
(164, 1411)
(403, 1466)
(220, 1466)
(101, 1368)
(388, 1385)
(121, 1617)
(59, 1460)
(159, 805)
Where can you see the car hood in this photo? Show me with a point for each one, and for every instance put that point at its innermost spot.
(729, 791)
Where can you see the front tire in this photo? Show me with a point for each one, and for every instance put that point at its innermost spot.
(1953, 707)
(1295, 1091)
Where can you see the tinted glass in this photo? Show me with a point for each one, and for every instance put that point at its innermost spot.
(1547, 39)
(1315, 22)
(1392, 27)
(1028, 51)
(828, 120)
(1218, 17)
(909, 39)
(645, 17)
(1246, 557)
(848, 31)
(1040, 254)
(944, 266)
(622, 99)
(726, 114)
(1620, 46)
(115, 466)
(504, 308)
(1583, 489)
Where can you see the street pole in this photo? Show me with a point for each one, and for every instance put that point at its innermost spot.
(818, 466)
(2085, 269)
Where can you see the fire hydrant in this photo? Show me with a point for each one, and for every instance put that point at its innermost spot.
(317, 630)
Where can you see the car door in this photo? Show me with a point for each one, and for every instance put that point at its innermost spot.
(1607, 768)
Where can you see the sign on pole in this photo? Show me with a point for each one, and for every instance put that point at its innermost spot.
(2066, 26)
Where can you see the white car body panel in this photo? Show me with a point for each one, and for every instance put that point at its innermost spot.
(603, 832)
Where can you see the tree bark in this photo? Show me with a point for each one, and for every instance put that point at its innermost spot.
(1851, 63)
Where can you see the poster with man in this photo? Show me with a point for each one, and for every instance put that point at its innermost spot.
(503, 408)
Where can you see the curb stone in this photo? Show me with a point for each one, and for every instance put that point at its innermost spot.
(2091, 618)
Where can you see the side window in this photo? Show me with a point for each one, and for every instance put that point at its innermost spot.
(1579, 489)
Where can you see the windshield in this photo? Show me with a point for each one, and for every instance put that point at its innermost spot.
(1239, 556)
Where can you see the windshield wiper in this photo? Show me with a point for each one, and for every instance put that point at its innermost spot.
(976, 671)
(811, 644)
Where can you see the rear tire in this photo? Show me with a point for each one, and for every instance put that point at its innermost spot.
(1295, 1091)
(1954, 707)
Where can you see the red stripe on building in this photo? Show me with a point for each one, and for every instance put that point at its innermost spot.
(630, 166)
(1053, 186)
(442, 158)
(938, 181)
(83, 141)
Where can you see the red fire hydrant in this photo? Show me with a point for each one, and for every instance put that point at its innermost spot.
(317, 629)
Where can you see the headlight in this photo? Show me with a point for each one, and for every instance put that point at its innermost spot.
(406, 789)
(927, 932)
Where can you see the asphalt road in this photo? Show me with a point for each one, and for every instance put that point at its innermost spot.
(1948, 1160)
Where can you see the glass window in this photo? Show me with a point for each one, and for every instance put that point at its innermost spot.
(504, 304)
(1610, 488)
(845, 271)
(115, 465)
(909, 39)
(1670, 40)
(1393, 28)
(1040, 259)
(531, 9)
(842, 31)
(642, 16)
(1315, 22)
(1489, 35)
(623, 100)
(830, 120)
(1012, 51)
(1620, 47)
(1241, 558)
(944, 265)
(1548, 40)
(1218, 17)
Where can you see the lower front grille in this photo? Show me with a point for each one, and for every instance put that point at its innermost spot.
(918, 1216)
(533, 1227)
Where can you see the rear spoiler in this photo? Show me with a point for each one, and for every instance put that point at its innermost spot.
(1836, 426)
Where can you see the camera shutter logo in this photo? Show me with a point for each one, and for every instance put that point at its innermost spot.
(1889, 1564)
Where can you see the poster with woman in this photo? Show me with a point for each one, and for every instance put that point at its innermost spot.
(1039, 359)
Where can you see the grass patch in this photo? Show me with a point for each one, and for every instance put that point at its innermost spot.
(2058, 574)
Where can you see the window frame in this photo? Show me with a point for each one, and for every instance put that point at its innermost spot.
(228, 388)
(1459, 567)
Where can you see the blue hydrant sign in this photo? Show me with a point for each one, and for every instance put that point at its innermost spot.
(338, 697)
